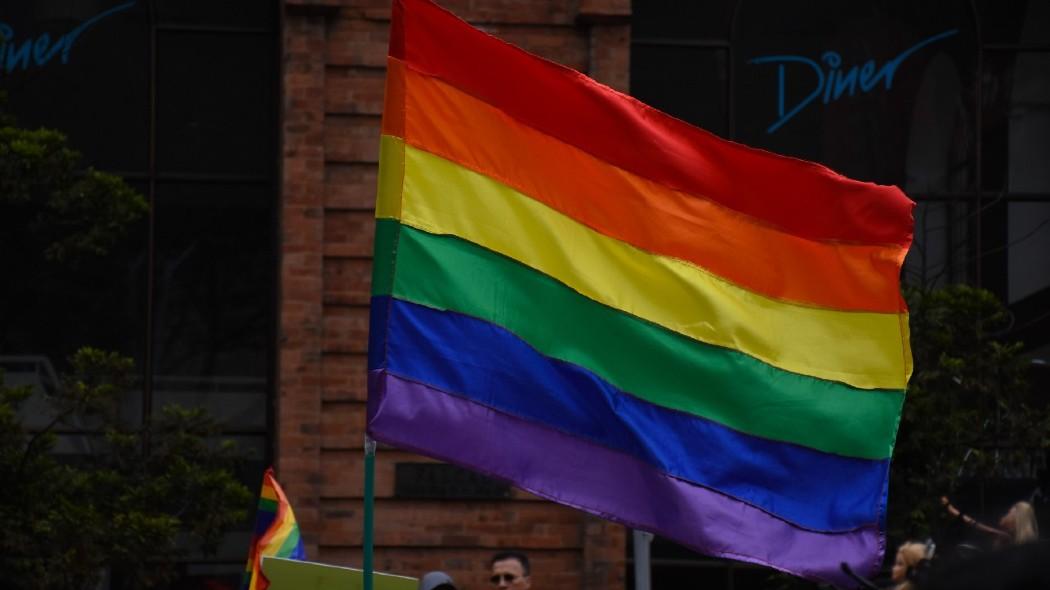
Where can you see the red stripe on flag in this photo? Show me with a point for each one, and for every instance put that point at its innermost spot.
(806, 199)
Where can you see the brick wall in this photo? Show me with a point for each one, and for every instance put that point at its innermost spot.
(333, 76)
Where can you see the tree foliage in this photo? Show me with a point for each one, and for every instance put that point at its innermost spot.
(53, 211)
(969, 411)
(147, 493)
(141, 500)
(58, 224)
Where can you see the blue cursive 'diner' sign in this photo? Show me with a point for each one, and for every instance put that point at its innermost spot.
(21, 54)
(832, 84)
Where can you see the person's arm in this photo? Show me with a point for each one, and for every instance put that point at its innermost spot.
(970, 521)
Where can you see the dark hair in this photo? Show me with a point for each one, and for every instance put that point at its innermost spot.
(521, 557)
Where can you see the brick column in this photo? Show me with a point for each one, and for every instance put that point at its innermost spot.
(609, 22)
(604, 551)
(302, 245)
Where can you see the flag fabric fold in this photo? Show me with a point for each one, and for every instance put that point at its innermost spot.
(623, 313)
(276, 533)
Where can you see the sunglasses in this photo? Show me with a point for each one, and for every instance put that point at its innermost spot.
(508, 578)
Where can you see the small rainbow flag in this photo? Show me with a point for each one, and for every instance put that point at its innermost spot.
(276, 533)
(623, 313)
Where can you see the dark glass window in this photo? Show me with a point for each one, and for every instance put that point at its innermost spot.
(1014, 22)
(939, 253)
(1016, 121)
(237, 15)
(180, 98)
(677, 20)
(215, 103)
(198, 271)
(90, 80)
(1015, 258)
(54, 308)
(877, 92)
(657, 77)
(1028, 249)
(212, 305)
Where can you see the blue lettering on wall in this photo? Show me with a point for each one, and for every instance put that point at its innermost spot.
(18, 54)
(837, 81)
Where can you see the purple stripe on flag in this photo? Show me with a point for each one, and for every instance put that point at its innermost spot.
(613, 485)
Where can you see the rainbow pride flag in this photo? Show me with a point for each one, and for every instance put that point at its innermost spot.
(276, 533)
(623, 313)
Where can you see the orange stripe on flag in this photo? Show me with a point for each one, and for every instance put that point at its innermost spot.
(447, 122)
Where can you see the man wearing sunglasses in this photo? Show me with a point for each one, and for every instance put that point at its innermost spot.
(510, 569)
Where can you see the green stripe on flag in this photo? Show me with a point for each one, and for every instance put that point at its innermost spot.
(646, 360)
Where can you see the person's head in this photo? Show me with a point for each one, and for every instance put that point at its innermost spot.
(908, 556)
(510, 569)
(436, 581)
(1020, 522)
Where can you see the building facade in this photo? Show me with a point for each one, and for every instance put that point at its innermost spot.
(253, 130)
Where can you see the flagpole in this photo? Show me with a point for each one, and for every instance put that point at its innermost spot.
(642, 563)
(370, 468)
